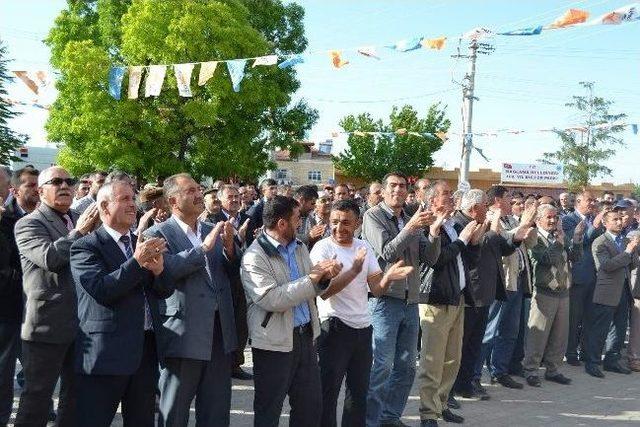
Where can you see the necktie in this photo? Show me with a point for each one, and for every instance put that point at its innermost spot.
(68, 222)
(148, 324)
(619, 240)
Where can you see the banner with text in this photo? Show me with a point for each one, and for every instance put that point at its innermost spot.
(533, 173)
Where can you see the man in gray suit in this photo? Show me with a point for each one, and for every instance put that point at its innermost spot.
(198, 334)
(614, 258)
(50, 324)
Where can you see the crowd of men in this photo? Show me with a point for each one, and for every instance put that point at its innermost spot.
(145, 298)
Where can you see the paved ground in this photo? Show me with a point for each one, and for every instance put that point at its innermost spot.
(612, 401)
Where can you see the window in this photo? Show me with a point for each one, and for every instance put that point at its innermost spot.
(315, 176)
(282, 174)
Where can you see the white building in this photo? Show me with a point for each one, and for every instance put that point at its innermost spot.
(39, 157)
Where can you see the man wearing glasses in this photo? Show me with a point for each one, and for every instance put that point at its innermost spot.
(50, 324)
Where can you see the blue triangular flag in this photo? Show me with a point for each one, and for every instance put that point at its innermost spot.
(236, 72)
(481, 153)
(407, 45)
(634, 128)
(116, 74)
(291, 61)
(532, 31)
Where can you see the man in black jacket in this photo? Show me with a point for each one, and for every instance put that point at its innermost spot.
(487, 283)
(269, 189)
(443, 294)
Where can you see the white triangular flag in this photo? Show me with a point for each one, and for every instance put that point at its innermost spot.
(135, 76)
(183, 78)
(154, 81)
(206, 71)
(266, 60)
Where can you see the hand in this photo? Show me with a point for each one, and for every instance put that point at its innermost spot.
(523, 233)
(442, 214)
(597, 221)
(579, 231)
(479, 232)
(88, 220)
(155, 265)
(143, 224)
(203, 216)
(328, 268)
(358, 261)
(161, 215)
(242, 231)
(420, 219)
(257, 232)
(496, 226)
(210, 240)
(631, 246)
(149, 249)
(528, 216)
(397, 271)
(467, 232)
(317, 231)
(227, 236)
(560, 236)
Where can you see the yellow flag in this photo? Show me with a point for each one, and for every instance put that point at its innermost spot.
(442, 136)
(336, 59)
(437, 44)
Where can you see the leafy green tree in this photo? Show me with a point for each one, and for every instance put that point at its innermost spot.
(10, 141)
(370, 157)
(217, 132)
(583, 152)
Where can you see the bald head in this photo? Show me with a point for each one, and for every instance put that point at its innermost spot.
(49, 173)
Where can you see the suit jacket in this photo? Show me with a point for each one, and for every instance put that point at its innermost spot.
(11, 303)
(613, 268)
(255, 213)
(583, 271)
(50, 306)
(440, 283)
(220, 216)
(111, 291)
(516, 262)
(550, 263)
(187, 316)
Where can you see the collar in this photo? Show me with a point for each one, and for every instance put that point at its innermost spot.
(278, 245)
(115, 235)
(388, 211)
(544, 233)
(582, 217)
(228, 215)
(613, 236)
(185, 228)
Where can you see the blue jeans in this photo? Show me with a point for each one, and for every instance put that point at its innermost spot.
(501, 334)
(395, 339)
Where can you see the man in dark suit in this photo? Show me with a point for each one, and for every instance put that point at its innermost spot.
(269, 189)
(197, 334)
(614, 258)
(25, 198)
(230, 211)
(583, 271)
(44, 238)
(116, 356)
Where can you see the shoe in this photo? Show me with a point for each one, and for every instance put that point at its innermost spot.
(472, 393)
(634, 365)
(594, 371)
(617, 367)
(573, 361)
(479, 390)
(450, 417)
(533, 381)
(239, 374)
(452, 403)
(558, 378)
(428, 423)
(506, 381)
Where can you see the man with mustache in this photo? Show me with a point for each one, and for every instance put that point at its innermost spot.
(44, 238)
(196, 334)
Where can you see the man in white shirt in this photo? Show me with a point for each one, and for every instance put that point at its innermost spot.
(344, 346)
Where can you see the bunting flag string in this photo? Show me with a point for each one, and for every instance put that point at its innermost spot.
(237, 67)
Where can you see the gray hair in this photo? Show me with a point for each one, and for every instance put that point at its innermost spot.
(105, 193)
(433, 188)
(119, 176)
(226, 188)
(542, 209)
(471, 198)
(45, 175)
(170, 185)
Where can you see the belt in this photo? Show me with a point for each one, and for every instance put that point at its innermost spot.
(303, 329)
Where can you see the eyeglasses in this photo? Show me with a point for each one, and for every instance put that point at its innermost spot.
(58, 182)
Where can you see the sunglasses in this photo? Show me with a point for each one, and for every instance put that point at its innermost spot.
(58, 182)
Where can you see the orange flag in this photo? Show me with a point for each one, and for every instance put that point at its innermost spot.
(570, 17)
(437, 44)
(336, 59)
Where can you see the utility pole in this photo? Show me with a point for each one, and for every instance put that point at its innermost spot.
(468, 97)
